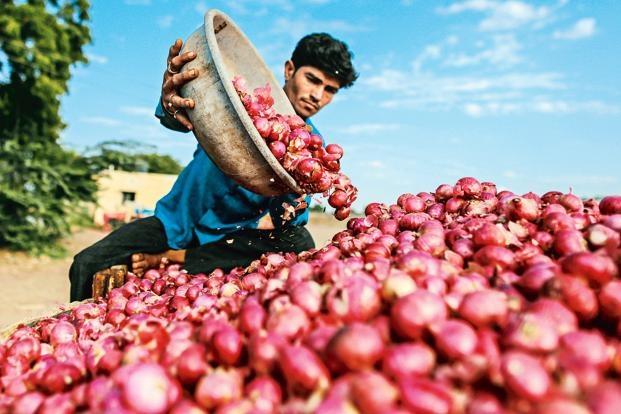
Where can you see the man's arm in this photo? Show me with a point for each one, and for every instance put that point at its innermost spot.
(171, 108)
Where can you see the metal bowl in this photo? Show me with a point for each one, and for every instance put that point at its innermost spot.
(222, 126)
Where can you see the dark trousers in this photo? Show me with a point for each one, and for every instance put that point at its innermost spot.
(147, 236)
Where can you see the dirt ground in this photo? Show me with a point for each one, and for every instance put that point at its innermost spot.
(31, 287)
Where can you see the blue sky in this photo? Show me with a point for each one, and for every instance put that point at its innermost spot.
(526, 94)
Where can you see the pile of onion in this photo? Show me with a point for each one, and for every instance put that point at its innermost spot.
(315, 168)
(459, 300)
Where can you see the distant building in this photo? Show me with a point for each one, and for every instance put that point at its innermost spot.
(124, 196)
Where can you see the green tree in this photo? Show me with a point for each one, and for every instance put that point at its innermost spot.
(130, 156)
(41, 184)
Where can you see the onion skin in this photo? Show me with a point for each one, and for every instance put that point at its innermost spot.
(355, 347)
(146, 389)
(303, 369)
(408, 359)
(598, 269)
(28, 402)
(496, 256)
(455, 338)
(192, 364)
(525, 376)
(413, 313)
(484, 307)
(610, 299)
(265, 393)
(425, 396)
(227, 345)
(373, 393)
(218, 388)
(610, 205)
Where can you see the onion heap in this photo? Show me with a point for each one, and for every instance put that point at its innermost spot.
(460, 300)
(315, 168)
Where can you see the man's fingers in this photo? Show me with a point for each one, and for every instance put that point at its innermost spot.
(184, 77)
(184, 120)
(181, 103)
(177, 62)
(174, 49)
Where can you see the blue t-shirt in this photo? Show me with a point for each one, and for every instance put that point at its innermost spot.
(205, 205)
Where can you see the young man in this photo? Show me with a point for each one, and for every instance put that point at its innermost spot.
(207, 220)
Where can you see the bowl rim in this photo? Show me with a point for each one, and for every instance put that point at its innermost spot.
(214, 49)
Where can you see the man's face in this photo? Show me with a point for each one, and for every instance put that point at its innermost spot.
(309, 89)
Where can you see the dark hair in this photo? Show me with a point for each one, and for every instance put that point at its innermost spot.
(328, 54)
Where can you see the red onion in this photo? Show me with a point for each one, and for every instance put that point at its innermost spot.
(62, 332)
(424, 396)
(265, 393)
(373, 393)
(525, 376)
(290, 322)
(560, 317)
(605, 398)
(263, 351)
(467, 186)
(227, 345)
(355, 298)
(303, 368)
(598, 269)
(531, 332)
(484, 307)
(496, 256)
(411, 314)
(488, 234)
(355, 347)
(192, 364)
(28, 403)
(610, 205)
(558, 221)
(218, 388)
(455, 338)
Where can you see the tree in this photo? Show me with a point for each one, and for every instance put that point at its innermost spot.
(41, 184)
(130, 156)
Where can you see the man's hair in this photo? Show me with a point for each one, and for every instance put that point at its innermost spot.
(328, 54)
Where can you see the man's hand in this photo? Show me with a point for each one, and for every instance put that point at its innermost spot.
(173, 80)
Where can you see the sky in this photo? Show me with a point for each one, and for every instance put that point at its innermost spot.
(526, 94)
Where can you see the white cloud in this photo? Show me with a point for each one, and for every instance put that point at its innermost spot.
(138, 110)
(474, 5)
(539, 105)
(165, 21)
(501, 15)
(296, 28)
(474, 110)
(376, 164)
(430, 52)
(581, 179)
(583, 28)
(368, 129)
(504, 53)
(510, 174)
(97, 58)
(138, 2)
(512, 14)
(100, 120)
(426, 85)
(201, 7)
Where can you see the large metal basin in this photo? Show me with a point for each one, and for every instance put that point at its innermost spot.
(221, 124)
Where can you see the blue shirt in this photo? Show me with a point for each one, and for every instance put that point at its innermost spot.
(205, 205)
